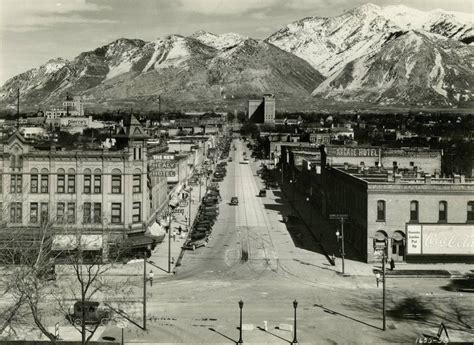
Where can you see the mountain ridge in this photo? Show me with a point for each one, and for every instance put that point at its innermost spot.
(343, 58)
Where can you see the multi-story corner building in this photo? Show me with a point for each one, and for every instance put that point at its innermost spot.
(94, 190)
(412, 218)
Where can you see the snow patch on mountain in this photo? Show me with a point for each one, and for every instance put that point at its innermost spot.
(219, 42)
(436, 76)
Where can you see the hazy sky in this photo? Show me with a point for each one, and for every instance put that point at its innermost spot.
(34, 31)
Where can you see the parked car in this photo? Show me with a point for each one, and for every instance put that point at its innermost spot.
(95, 313)
(234, 201)
(195, 244)
(262, 193)
(465, 283)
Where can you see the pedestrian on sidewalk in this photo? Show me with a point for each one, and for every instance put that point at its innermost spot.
(333, 259)
(180, 229)
(392, 264)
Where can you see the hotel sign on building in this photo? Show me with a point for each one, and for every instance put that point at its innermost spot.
(163, 165)
(353, 151)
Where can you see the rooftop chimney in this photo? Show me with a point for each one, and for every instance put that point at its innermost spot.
(428, 178)
(389, 176)
(457, 178)
(397, 178)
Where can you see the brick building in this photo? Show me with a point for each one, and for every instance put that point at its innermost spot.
(94, 190)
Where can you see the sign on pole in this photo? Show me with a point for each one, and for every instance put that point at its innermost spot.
(338, 216)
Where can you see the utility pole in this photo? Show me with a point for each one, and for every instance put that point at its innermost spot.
(18, 102)
(383, 291)
(144, 290)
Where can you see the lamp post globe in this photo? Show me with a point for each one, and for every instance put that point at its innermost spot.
(337, 233)
(241, 304)
(295, 339)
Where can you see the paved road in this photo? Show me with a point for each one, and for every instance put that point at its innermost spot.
(252, 256)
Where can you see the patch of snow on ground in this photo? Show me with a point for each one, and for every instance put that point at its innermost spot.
(436, 77)
(121, 68)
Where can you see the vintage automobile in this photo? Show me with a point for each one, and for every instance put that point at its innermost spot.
(95, 313)
(234, 201)
(262, 193)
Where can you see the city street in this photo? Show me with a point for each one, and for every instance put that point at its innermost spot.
(251, 256)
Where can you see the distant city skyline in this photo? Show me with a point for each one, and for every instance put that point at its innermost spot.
(34, 31)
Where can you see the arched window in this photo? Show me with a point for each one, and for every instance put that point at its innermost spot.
(443, 211)
(71, 180)
(87, 182)
(414, 211)
(61, 182)
(470, 211)
(34, 180)
(44, 180)
(380, 210)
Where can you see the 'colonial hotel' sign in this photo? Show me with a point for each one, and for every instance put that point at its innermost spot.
(353, 152)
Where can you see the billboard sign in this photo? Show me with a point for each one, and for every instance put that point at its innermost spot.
(449, 239)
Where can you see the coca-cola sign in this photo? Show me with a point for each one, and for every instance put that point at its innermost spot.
(456, 239)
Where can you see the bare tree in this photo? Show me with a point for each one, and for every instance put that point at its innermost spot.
(29, 259)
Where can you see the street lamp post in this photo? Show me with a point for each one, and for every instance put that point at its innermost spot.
(292, 191)
(340, 236)
(241, 306)
(295, 340)
(308, 199)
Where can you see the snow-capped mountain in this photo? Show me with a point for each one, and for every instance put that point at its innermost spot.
(183, 68)
(455, 25)
(416, 68)
(222, 41)
(385, 55)
(328, 44)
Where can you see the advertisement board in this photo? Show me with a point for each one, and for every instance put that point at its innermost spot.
(449, 239)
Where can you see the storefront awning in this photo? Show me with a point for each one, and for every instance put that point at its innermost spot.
(144, 241)
(73, 241)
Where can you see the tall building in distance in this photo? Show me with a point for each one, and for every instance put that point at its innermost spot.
(269, 108)
(262, 111)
